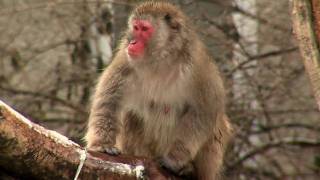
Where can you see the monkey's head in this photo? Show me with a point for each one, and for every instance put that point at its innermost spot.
(156, 30)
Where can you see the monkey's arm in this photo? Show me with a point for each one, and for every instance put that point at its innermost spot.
(103, 122)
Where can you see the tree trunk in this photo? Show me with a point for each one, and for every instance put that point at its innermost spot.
(306, 25)
(28, 150)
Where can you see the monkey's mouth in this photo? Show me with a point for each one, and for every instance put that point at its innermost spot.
(133, 42)
(136, 48)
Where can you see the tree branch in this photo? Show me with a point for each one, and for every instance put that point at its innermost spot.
(304, 29)
(281, 143)
(45, 96)
(37, 153)
(262, 56)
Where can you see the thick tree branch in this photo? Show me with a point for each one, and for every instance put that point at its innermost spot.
(30, 151)
(304, 29)
(316, 15)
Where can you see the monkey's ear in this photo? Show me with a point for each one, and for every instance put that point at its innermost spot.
(172, 22)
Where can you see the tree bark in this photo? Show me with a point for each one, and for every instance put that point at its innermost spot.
(316, 15)
(29, 151)
(306, 25)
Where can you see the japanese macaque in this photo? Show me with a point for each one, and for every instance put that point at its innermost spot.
(162, 97)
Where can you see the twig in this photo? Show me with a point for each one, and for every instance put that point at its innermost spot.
(281, 143)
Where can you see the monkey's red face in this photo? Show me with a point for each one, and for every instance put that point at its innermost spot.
(141, 34)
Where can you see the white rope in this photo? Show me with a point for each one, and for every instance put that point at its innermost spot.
(83, 156)
(137, 171)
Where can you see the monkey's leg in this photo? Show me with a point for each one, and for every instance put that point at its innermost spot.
(191, 134)
(209, 161)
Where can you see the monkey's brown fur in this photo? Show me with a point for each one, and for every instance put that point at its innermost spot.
(168, 105)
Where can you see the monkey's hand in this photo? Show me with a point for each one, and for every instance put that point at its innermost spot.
(176, 167)
(105, 149)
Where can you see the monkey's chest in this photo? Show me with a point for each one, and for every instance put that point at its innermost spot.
(156, 97)
(158, 122)
(156, 111)
(159, 109)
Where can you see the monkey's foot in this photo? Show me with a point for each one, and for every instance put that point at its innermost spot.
(176, 167)
(112, 151)
(109, 150)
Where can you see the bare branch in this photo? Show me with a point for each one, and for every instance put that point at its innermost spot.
(49, 155)
(45, 96)
(306, 143)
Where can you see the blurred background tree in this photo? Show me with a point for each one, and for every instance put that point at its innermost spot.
(52, 52)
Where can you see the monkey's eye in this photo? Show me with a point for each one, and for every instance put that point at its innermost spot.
(167, 17)
(171, 22)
